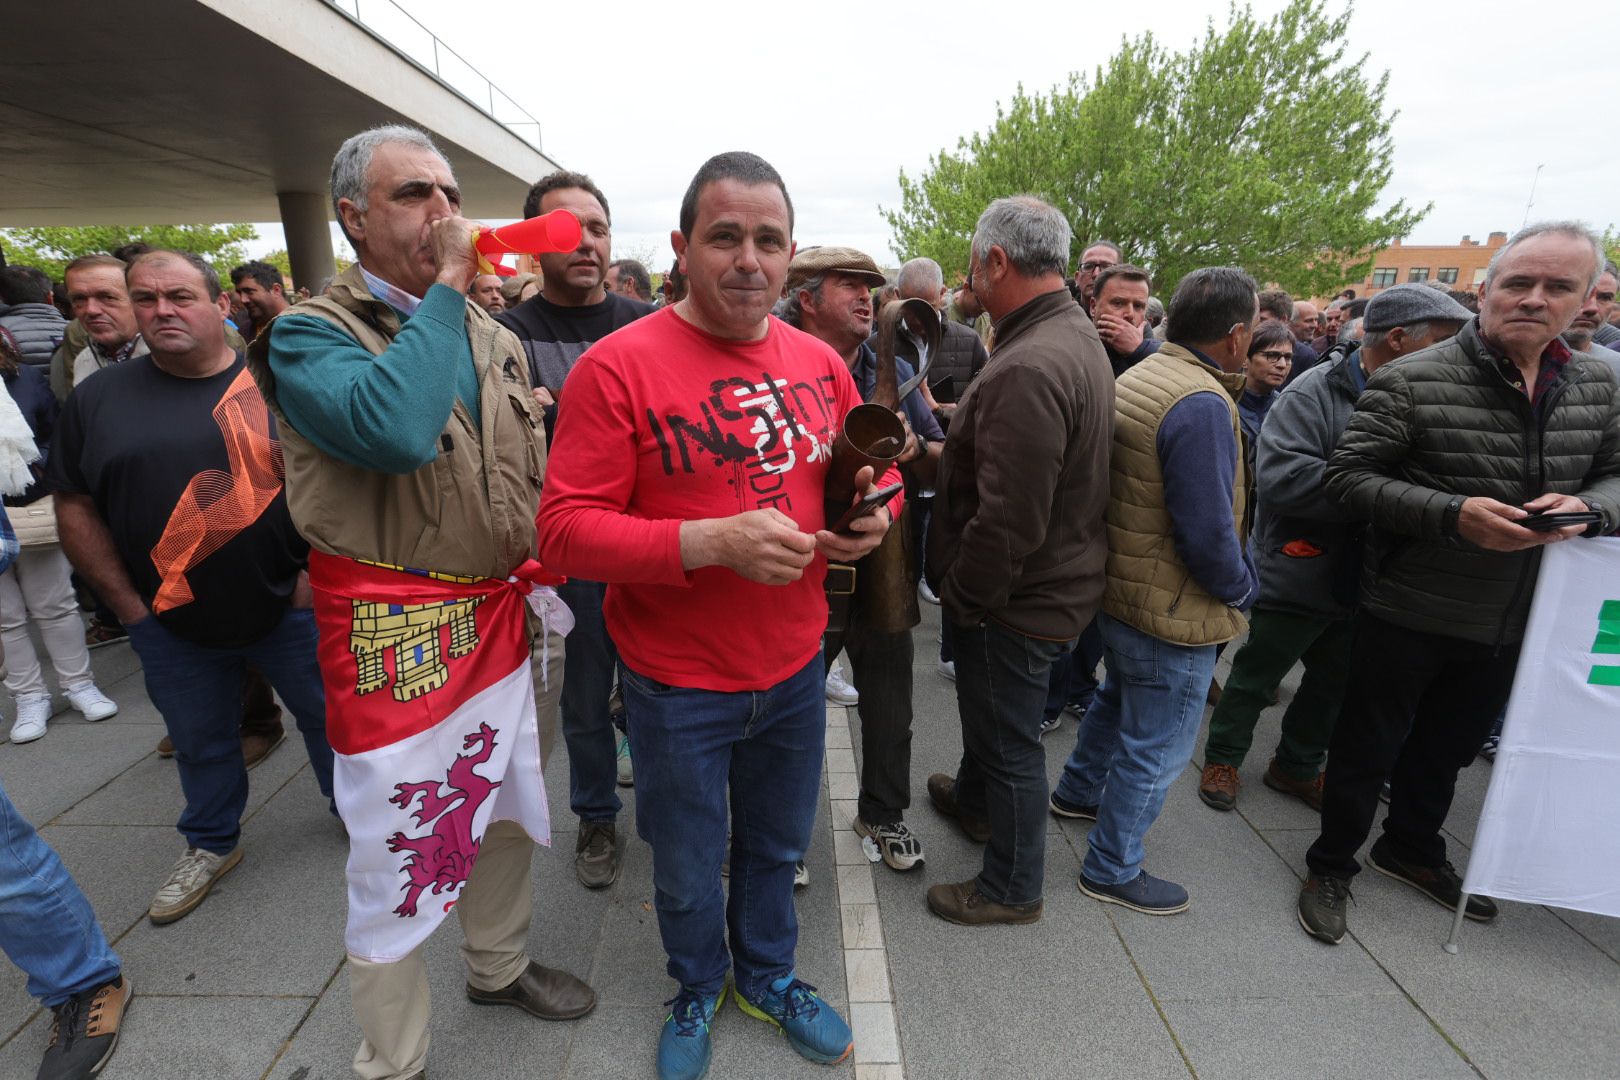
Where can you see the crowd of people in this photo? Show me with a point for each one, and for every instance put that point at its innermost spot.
(433, 511)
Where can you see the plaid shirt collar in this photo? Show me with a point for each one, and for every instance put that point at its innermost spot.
(392, 295)
(1554, 358)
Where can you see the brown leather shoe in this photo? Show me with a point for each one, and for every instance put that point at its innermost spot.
(255, 748)
(964, 905)
(1218, 787)
(541, 991)
(1214, 695)
(942, 793)
(165, 747)
(1308, 792)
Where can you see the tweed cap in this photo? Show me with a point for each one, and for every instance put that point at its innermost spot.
(820, 260)
(1403, 305)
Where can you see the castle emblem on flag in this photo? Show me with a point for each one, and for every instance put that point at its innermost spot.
(412, 635)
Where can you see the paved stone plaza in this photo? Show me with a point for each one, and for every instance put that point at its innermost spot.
(252, 985)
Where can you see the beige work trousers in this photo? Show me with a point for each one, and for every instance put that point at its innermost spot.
(391, 1000)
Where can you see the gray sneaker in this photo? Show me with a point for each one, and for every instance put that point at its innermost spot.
(897, 844)
(1321, 907)
(596, 855)
(626, 773)
(189, 883)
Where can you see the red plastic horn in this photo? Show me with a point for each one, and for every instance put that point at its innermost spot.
(556, 231)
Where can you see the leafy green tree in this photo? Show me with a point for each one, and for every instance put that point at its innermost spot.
(52, 248)
(1262, 147)
(1611, 244)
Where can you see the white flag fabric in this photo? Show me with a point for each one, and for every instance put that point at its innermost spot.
(1548, 832)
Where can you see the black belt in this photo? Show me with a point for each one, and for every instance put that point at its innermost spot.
(840, 588)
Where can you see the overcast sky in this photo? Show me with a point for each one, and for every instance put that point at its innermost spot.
(841, 99)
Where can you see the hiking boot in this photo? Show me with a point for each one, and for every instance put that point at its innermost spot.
(964, 905)
(1308, 792)
(625, 772)
(99, 633)
(942, 793)
(165, 747)
(1442, 883)
(1147, 894)
(33, 714)
(1321, 907)
(812, 1027)
(839, 692)
(255, 748)
(189, 883)
(1218, 787)
(897, 844)
(684, 1046)
(596, 854)
(92, 703)
(540, 991)
(1063, 808)
(84, 1033)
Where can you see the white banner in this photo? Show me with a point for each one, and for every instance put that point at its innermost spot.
(1548, 832)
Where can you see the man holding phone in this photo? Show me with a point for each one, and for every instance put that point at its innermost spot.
(829, 297)
(1449, 454)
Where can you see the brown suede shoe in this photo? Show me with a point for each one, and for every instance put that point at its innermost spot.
(165, 747)
(541, 991)
(1218, 787)
(1308, 792)
(255, 748)
(942, 793)
(964, 905)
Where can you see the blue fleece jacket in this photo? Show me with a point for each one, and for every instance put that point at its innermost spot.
(378, 412)
(1198, 457)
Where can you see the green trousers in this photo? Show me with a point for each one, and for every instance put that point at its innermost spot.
(1277, 641)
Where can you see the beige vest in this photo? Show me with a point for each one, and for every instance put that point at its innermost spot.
(471, 510)
(1149, 587)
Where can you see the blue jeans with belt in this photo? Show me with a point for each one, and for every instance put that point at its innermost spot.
(701, 755)
(1136, 738)
(198, 690)
(46, 925)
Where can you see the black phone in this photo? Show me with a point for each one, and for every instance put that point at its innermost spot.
(867, 505)
(1549, 522)
(943, 388)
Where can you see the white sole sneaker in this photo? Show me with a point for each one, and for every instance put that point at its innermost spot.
(27, 732)
(92, 704)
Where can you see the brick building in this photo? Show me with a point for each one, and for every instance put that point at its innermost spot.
(1461, 266)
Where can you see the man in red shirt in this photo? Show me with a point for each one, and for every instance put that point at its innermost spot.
(688, 473)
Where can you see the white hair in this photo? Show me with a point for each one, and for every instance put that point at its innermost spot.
(1033, 233)
(920, 277)
(1574, 229)
(353, 161)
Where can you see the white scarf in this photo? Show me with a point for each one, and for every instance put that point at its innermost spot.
(17, 449)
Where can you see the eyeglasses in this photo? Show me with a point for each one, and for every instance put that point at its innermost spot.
(1094, 266)
(1273, 356)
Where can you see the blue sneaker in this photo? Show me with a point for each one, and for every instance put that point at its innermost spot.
(1147, 894)
(684, 1048)
(812, 1027)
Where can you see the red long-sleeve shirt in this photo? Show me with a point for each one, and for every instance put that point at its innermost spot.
(661, 423)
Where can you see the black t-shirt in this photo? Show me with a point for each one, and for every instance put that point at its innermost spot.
(555, 336)
(187, 475)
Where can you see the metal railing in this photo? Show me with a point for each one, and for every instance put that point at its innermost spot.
(400, 31)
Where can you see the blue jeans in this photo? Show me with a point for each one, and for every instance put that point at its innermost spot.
(46, 925)
(1135, 740)
(692, 748)
(1001, 681)
(198, 690)
(587, 726)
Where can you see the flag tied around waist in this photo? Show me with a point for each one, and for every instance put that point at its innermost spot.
(1546, 834)
(431, 715)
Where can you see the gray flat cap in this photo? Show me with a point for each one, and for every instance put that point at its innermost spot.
(1403, 305)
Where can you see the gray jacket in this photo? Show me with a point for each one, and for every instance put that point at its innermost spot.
(38, 329)
(1306, 547)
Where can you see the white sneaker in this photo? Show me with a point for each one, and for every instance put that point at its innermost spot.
(90, 701)
(33, 713)
(927, 594)
(189, 883)
(839, 692)
(947, 668)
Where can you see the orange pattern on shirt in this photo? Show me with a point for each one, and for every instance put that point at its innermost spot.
(217, 505)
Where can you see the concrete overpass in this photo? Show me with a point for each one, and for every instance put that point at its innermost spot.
(178, 111)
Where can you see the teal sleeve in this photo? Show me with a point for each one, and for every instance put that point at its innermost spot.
(378, 412)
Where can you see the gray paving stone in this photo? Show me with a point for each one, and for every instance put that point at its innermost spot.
(1372, 1037)
(46, 777)
(617, 1042)
(272, 926)
(179, 1038)
(118, 867)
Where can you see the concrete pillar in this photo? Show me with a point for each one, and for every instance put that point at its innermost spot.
(309, 240)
